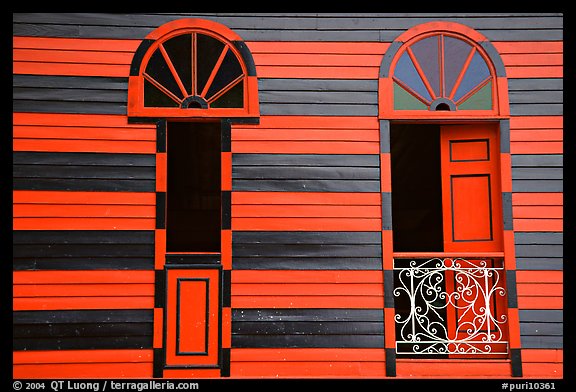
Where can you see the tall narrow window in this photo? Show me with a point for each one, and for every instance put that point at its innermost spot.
(447, 230)
(193, 188)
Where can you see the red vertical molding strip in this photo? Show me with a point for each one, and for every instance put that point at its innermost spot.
(387, 258)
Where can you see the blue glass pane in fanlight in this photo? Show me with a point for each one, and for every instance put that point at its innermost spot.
(426, 53)
(477, 72)
(406, 72)
(456, 52)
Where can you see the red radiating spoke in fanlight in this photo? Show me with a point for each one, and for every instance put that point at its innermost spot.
(421, 73)
(442, 91)
(192, 90)
(163, 89)
(462, 73)
(173, 70)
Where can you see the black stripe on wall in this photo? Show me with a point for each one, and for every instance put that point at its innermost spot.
(367, 27)
(307, 250)
(299, 328)
(83, 250)
(84, 171)
(82, 329)
(305, 172)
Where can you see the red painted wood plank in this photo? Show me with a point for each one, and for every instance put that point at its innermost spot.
(536, 135)
(531, 302)
(328, 198)
(60, 145)
(306, 147)
(82, 290)
(72, 56)
(538, 199)
(307, 369)
(87, 44)
(307, 355)
(538, 147)
(82, 211)
(293, 211)
(84, 133)
(304, 224)
(529, 46)
(532, 59)
(305, 134)
(540, 290)
(542, 356)
(82, 356)
(191, 373)
(76, 277)
(536, 122)
(83, 371)
(321, 276)
(69, 197)
(308, 302)
(552, 225)
(77, 120)
(313, 122)
(538, 212)
(315, 289)
(325, 72)
(452, 368)
(539, 276)
(317, 47)
(84, 224)
(71, 69)
(69, 303)
(542, 370)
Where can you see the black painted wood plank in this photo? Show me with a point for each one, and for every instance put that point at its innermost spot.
(307, 328)
(538, 238)
(542, 342)
(541, 329)
(544, 315)
(537, 160)
(84, 263)
(79, 94)
(114, 185)
(309, 173)
(77, 237)
(327, 160)
(71, 82)
(539, 264)
(310, 109)
(74, 107)
(81, 250)
(317, 85)
(307, 263)
(310, 237)
(305, 250)
(296, 314)
(539, 250)
(83, 316)
(84, 172)
(84, 159)
(304, 341)
(537, 185)
(306, 185)
(84, 330)
(83, 343)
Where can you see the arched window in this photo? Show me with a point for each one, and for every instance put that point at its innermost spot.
(448, 72)
(192, 68)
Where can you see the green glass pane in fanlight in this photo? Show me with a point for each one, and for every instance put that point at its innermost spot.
(481, 100)
(403, 100)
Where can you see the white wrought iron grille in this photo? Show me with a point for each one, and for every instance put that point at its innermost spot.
(449, 306)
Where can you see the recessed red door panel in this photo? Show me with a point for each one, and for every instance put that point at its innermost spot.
(471, 195)
(192, 317)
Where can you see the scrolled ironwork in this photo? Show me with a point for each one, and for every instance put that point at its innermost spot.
(439, 287)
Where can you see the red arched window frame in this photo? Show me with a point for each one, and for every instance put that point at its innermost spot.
(232, 43)
(481, 46)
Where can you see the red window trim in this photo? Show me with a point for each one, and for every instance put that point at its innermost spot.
(218, 31)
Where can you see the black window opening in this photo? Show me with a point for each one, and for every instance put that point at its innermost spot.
(417, 223)
(193, 201)
(416, 188)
